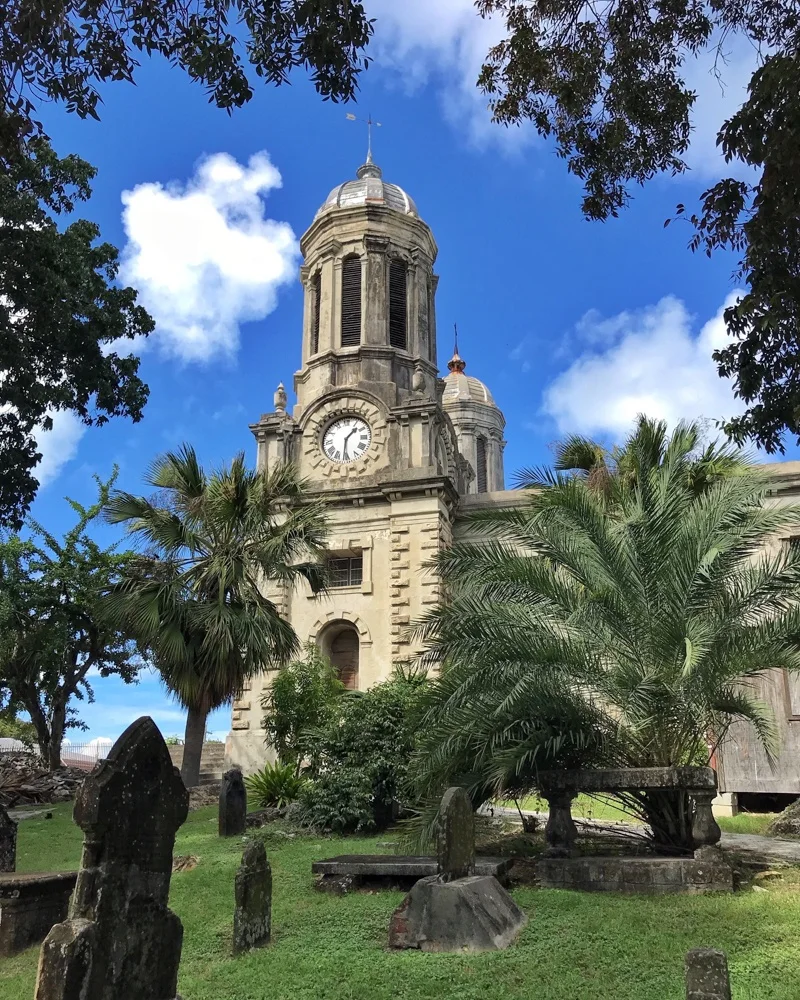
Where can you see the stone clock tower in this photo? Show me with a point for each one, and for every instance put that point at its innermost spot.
(394, 449)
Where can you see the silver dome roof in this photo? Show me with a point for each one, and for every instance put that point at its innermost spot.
(369, 189)
(460, 388)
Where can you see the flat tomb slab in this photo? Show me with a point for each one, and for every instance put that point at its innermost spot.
(399, 866)
(648, 875)
(30, 904)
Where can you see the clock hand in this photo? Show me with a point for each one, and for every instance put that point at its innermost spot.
(344, 445)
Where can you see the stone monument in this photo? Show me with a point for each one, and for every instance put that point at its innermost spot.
(455, 836)
(707, 975)
(456, 910)
(120, 941)
(232, 804)
(8, 842)
(252, 918)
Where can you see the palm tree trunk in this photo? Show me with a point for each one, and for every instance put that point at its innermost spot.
(193, 746)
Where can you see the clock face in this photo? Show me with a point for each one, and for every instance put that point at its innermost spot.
(346, 439)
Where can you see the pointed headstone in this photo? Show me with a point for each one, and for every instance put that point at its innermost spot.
(8, 842)
(252, 918)
(121, 942)
(232, 804)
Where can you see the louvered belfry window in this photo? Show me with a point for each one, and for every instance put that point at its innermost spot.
(397, 304)
(351, 301)
(316, 302)
(481, 462)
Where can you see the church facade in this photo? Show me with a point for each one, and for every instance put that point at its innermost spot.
(402, 455)
(398, 452)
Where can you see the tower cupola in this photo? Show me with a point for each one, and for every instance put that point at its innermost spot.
(478, 423)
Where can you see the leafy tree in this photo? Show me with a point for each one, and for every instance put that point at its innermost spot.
(62, 53)
(211, 545)
(300, 699)
(580, 634)
(362, 755)
(55, 625)
(608, 83)
(14, 728)
(60, 309)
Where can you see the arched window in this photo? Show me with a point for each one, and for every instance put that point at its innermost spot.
(351, 301)
(398, 310)
(480, 461)
(316, 301)
(340, 643)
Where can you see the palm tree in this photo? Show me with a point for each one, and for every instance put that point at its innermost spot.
(211, 546)
(584, 634)
(607, 470)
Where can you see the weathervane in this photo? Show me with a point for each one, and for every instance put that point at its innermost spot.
(455, 331)
(369, 123)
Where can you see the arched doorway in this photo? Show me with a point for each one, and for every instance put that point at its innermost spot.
(340, 643)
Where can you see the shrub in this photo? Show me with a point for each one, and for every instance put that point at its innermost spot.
(362, 757)
(274, 785)
(301, 698)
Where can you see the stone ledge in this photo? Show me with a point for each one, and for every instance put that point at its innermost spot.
(628, 779)
(647, 875)
(399, 866)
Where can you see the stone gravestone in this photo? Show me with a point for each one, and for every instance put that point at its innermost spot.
(707, 975)
(456, 910)
(120, 941)
(232, 804)
(252, 918)
(8, 842)
(455, 840)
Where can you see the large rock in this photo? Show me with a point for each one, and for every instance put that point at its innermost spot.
(468, 914)
(787, 823)
(121, 942)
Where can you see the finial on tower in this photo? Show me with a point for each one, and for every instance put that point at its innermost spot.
(280, 398)
(456, 363)
(369, 168)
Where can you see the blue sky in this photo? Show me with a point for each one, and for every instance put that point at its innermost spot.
(574, 326)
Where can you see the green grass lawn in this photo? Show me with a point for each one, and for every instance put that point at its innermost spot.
(603, 947)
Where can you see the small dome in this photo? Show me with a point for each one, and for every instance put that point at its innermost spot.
(461, 388)
(369, 189)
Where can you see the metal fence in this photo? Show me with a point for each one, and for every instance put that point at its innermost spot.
(80, 755)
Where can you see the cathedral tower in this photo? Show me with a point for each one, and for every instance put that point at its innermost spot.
(372, 432)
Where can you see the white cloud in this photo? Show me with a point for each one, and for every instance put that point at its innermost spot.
(58, 445)
(203, 255)
(447, 44)
(649, 361)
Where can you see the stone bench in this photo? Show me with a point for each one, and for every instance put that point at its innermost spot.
(707, 871)
(352, 870)
(30, 904)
